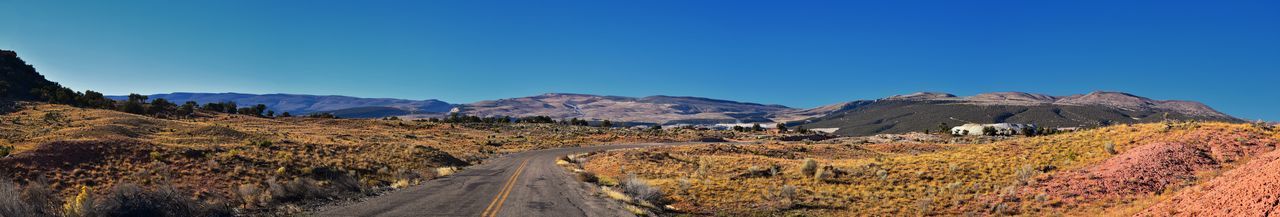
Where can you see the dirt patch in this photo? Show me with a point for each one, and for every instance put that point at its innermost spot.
(1145, 170)
(1252, 189)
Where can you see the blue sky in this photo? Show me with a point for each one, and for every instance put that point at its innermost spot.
(794, 53)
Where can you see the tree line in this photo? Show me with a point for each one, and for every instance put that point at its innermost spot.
(455, 117)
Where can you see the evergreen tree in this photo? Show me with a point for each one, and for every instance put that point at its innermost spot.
(161, 106)
(188, 108)
(135, 104)
(230, 107)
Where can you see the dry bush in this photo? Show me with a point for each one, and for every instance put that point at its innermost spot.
(234, 155)
(132, 200)
(249, 195)
(446, 171)
(641, 191)
(298, 189)
(585, 176)
(809, 167)
(30, 200)
(79, 205)
(5, 150)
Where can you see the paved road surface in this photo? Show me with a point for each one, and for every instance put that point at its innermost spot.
(520, 184)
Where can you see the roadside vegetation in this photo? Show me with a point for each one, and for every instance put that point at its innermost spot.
(1109, 170)
(76, 161)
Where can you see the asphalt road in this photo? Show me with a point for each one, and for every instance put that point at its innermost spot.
(520, 184)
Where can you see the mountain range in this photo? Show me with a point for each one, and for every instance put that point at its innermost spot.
(894, 114)
(345, 106)
(927, 111)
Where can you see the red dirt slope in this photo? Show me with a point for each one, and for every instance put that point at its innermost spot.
(1252, 189)
(1154, 168)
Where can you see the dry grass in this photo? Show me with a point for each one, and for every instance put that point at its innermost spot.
(226, 156)
(879, 179)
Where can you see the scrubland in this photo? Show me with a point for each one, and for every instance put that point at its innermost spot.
(1143, 169)
(84, 162)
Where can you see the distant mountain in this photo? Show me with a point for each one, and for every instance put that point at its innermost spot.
(652, 109)
(303, 104)
(374, 112)
(926, 111)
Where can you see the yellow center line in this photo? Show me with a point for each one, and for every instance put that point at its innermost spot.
(496, 204)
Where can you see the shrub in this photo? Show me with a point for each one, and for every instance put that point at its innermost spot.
(30, 200)
(400, 184)
(296, 190)
(5, 150)
(1025, 173)
(132, 200)
(586, 177)
(809, 167)
(249, 195)
(339, 180)
(446, 171)
(642, 191)
(79, 205)
(1110, 147)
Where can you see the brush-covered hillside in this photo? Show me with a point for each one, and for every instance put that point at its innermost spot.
(928, 111)
(343, 106)
(1158, 169)
(217, 163)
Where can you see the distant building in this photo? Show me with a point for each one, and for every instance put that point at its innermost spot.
(825, 130)
(1000, 129)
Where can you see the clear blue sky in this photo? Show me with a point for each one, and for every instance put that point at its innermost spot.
(794, 53)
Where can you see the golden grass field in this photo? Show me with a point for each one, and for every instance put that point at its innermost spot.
(1009, 177)
(261, 165)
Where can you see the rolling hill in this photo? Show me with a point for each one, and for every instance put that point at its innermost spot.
(353, 107)
(652, 109)
(926, 111)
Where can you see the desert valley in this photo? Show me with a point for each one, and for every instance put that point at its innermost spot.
(137, 108)
(69, 153)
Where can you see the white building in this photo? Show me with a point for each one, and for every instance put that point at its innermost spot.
(1000, 128)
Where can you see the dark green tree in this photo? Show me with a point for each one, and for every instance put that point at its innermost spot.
(135, 104)
(161, 106)
(230, 107)
(188, 108)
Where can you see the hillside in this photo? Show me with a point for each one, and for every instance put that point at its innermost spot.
(257, 165)
(304, 104)
(926, 111)
(20, 81)
(652, 109)
(1184, 169)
